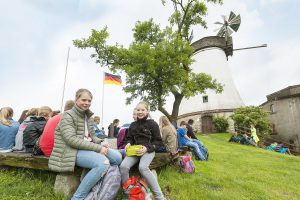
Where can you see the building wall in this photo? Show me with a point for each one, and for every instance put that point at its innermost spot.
(197, 117)
(285, 115)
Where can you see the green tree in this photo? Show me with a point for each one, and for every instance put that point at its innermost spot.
(221, 124)
(245, 116)
(157, 62)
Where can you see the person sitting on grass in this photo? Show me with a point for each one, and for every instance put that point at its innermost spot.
(184, 140)
(280, 148)
(244, 139)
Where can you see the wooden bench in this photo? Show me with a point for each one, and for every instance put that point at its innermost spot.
(65, 183)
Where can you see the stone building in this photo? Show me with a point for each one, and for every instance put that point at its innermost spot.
(283, 107)
(210, 57)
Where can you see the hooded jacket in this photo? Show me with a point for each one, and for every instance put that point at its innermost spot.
(68, 139)
(145, 132)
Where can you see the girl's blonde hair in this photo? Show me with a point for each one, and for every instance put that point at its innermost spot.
(144, 103)
(5, 114)
(80, 92)
(164, 121)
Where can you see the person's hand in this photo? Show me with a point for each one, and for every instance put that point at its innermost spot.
(141, 151)
(127, 145)
(104, 150)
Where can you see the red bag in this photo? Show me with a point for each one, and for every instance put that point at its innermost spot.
(136, 189)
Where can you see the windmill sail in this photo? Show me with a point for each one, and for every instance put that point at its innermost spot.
(228, 26)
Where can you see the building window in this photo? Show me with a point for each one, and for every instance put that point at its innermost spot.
(205, 99)
(272, 108)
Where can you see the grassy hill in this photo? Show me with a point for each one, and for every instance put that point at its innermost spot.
(233, 172)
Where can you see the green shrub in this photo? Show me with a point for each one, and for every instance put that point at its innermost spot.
(221, 124)
(245, 116)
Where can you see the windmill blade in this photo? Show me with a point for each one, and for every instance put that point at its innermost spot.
(229, 31)
(220, 23)
(224, 18)
(231, 16)
(221, 32)
(235, 23)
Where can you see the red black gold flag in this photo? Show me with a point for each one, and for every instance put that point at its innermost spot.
(112, 79)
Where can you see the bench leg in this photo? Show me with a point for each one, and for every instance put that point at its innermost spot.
(66, 184)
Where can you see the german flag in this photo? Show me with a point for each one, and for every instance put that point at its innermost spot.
(112, 79)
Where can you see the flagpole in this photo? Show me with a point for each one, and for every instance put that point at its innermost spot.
(63, 94)
(102, 98)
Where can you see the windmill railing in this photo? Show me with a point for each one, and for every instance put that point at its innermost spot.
(265, 140)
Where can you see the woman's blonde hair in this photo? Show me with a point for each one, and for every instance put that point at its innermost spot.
(80, 92)
(164, 121)
(5, 114)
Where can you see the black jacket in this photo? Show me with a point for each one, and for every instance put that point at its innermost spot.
(34, 130)
(190, 132)
(145, 132)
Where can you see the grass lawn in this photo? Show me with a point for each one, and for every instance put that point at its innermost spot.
(233, 172)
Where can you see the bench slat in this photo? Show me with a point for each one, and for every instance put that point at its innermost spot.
(24, 160)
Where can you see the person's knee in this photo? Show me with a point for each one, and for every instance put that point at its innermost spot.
(116, 157)
(124, 168)
(143, 168)
(193, 145)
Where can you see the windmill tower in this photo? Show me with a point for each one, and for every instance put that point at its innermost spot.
(210, 57)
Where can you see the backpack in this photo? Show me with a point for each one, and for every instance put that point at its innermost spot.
(121, 143)
(108, 186)
(204, 152)
(136, 189)
(186, 164)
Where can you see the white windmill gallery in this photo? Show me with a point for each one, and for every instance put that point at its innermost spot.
(211, 57)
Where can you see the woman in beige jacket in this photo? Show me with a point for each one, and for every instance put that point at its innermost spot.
(169, 134)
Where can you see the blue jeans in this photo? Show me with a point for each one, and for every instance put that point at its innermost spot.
(196, 145)
(98, 165)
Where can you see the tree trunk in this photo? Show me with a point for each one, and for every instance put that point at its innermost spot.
(176, 104)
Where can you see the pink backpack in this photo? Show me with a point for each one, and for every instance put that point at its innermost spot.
(186, 164)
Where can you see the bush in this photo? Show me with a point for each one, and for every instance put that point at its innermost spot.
(221, 124)
(245, 116)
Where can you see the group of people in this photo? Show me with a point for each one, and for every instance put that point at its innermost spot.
(70, 140)
(246, 138)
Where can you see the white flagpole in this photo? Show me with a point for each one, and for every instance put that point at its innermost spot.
(102, 99)
(63, 94)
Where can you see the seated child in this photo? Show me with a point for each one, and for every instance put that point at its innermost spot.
(169, 135)
(34, 130)
(46, 141)
(184, 140)
(8, 129)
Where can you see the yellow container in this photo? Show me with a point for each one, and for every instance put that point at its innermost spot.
(131, 150)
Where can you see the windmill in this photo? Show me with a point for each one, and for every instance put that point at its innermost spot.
(228, 26)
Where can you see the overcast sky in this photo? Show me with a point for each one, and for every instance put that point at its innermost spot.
(35, 36)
